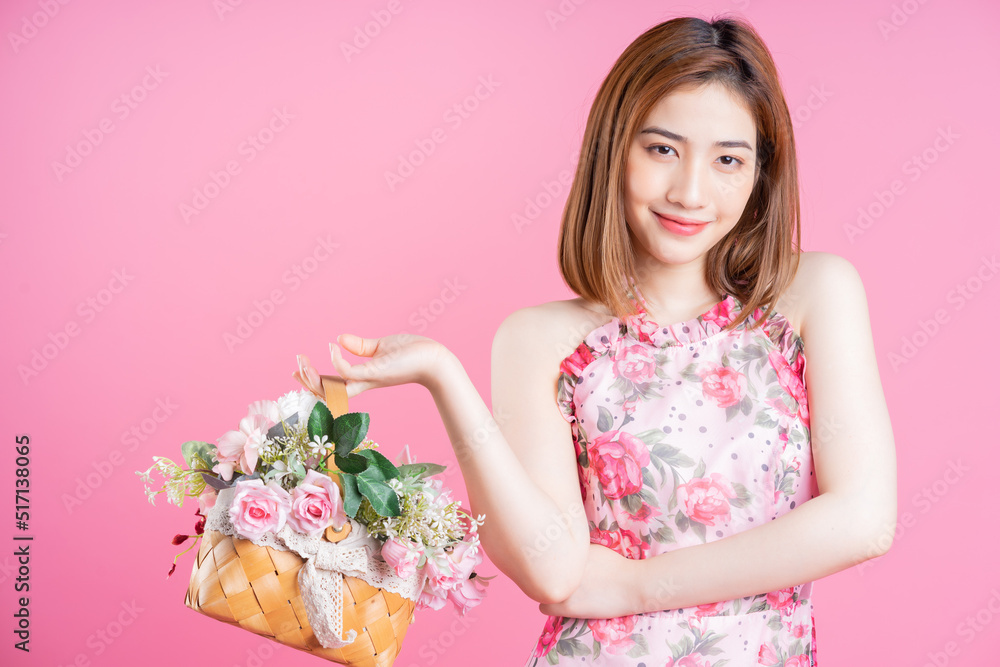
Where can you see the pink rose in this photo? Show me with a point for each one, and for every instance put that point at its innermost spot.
(238, 449)
(781, 600)
(431, 598)
(724, 384)
(799, 630)
(633, 545)
(641, 326)
(711, 609)
(316, 504)
(614, 634)
(721, 314)
(618, 458)
(635, 363)
(574, 364)
(797, 661)
(465, 557)
(206, 500)
(766, 655)
(607, 538)
(706, 499)
(440, 573)
(467, 594)
(402, 555)
(259, 509)
(691, 660)
(550, 635)
(638, 522)
(792, 379)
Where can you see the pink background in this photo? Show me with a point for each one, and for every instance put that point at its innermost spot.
(439, 254)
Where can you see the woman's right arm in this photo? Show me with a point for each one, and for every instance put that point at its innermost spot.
(519, 463)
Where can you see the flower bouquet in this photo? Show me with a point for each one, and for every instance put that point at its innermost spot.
(308, 532)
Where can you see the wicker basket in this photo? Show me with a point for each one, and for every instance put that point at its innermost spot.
(256, 588)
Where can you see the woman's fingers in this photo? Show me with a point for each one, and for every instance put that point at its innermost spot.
(362, 347)
(352, 374)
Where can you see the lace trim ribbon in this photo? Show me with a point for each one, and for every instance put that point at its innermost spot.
(321, 576)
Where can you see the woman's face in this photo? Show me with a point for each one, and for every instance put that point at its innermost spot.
(693, 159)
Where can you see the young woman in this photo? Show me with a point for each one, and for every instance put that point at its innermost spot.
(662, 470)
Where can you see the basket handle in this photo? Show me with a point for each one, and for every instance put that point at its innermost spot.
(335, 389)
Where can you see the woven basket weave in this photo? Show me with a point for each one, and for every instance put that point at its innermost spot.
(256, 588)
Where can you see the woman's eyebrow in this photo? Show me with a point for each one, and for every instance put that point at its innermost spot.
(732, 143)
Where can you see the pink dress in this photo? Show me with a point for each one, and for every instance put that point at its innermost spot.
(687, 434)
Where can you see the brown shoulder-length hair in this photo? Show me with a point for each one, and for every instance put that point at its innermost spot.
(755, 261)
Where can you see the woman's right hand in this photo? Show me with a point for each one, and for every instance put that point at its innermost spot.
(395, 359)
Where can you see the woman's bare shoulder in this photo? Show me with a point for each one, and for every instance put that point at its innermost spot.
(817, 273)
(551, 331)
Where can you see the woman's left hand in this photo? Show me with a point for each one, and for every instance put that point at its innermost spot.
(605, 590)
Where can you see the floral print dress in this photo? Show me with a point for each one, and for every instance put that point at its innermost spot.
(686, 434)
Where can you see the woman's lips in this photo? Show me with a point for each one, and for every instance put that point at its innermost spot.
(681, 226)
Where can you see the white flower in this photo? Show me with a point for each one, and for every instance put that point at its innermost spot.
(300, 402)
(267, 408)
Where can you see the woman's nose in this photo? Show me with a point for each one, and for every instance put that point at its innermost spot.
(688, 184)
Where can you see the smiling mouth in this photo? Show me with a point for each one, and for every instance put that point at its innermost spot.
(681, 221)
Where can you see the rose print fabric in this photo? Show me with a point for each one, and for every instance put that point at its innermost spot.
(686, 434)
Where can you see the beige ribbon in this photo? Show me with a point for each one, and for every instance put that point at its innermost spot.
(321, 581)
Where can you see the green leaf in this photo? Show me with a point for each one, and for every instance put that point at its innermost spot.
(664, 535)
(348, 430)
(203, 450)
(352, 497)
(320, 422)
(641, 647)
(378, 462)
(298, 469)
(605, 421)
(382, 496)
(699, 530)
(419, 470)
(352, 464)
(632, 503)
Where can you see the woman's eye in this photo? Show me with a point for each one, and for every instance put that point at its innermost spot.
(656, 149)
(732, 161)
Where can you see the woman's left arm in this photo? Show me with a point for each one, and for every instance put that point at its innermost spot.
(852, 519)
